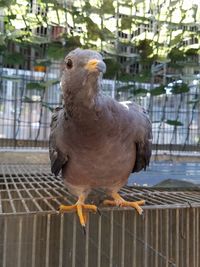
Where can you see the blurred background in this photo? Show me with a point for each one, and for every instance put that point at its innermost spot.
(152, 52)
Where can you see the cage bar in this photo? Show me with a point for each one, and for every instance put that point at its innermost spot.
(33, 232)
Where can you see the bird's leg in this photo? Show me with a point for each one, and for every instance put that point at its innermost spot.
(80, 208)
(119, 201)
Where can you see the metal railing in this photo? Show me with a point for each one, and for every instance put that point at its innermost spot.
(33, 233)
(27, 98)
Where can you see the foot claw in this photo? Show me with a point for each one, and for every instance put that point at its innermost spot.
(142, 214)
(81, 209)
(139, 210)
(84, 230)
(99, 212)
(120, 202)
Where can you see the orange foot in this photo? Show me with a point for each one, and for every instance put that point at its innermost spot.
(80, 208)
(119, 201)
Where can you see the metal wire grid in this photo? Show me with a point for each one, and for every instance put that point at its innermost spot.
(34, 233)
(25, 114)
(30, 189)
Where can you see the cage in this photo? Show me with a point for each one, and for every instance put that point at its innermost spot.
(34, 233)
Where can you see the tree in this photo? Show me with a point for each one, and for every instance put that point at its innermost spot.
(137, 31)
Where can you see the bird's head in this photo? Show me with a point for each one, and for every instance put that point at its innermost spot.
(82, 75)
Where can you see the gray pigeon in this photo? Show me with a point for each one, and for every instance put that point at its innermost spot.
(95, 141)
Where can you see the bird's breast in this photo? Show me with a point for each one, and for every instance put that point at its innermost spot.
(100, 163)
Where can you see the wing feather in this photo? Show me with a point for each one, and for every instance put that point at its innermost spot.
(143, 139)
(58, 160)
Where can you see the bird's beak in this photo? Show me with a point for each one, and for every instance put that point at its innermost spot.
(95, 65)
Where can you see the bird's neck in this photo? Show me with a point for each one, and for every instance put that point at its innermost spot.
(83, 106)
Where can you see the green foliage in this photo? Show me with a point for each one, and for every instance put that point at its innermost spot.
(56, 50)
(176, 55)
(192, 52)
(50, 83)
(145, 48)
(35, 86)
(86, 6)
(174, 122)
(14, 58)
(126, 23)
(112, 68)
(41, 85)
(160, 90)
(81, 30)
(107, 34)
(93, 31)
(11, 17)
(176, 40)
(177, 66)
(2, 48)
(143, 77)
(180, 88)
(12, 78)
(72, 42)
(140, 92)
(6, 3)
(125, 77)
(34, 39)
(107, 7)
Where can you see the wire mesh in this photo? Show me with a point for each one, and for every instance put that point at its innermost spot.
(25, 114)
(34, 233)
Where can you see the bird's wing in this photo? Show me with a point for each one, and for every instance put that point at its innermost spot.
(142, 137)
(58, 160)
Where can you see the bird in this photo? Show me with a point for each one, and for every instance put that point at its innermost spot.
(96, 142)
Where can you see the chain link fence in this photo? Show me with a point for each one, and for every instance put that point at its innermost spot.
(27, 99)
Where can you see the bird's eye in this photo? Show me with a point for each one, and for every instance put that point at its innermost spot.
(69, 63)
